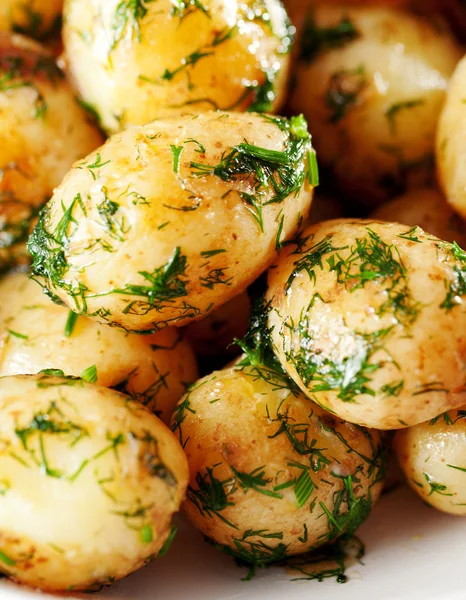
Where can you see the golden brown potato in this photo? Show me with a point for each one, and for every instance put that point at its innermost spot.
(371, 82)
(167, 222)
(433, 458)
(36, 334)
(43, 131)
(271, 474)
(90, 481)
(427, 208)
(451, 142)
(213, 335)
(368, 319)
(134, 62)
(34, 18)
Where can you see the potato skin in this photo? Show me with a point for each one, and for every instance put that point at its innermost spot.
(368, 319)
(35, 18)
(427, 208)
(43, 131)
(374, 96)
(134, 66)
(451, 146)
(168, 221)
(432, 456)
(91, 481)
(246, 433)
(153, 369)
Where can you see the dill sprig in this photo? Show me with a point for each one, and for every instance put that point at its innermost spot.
(260, 360)
(255, 553)
(372, 259)
(369, 259)
(183, 8)
(316, 40)
(279, 173)
(128, 14)
(164, 284)
(301, 439)
(456, 287)
(211, 496)
(343, 92)
(348, 511)
(47, 249)
(350, 375)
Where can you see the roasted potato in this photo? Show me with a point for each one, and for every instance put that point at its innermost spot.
(35, 18)
(214, 335)
(371, 82)
(36, 334)
(43, 130)
(451, 142)
(159, 59)
(169, 221)
(368, 319)
(271, 474)
(432, 456)
(427, 208)
(89, 479)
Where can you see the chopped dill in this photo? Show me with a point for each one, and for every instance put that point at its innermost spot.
(128, 16)
(456, 287)
(316, 40)
(392, 111)
(343, 92)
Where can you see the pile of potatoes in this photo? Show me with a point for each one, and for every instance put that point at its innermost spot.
(158, 219)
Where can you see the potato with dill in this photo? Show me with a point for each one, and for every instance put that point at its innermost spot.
(137, 61)
(372, 81)
(427, 208)
(43, 131)
(36, 334)
(168, 221)
(68, 446)
(35, 18)
(272, 475)
(432, 456)
(368, 319)
(451, 145)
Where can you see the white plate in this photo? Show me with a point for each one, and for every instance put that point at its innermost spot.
(412, 553)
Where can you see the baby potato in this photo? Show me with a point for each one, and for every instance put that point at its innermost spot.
(168, 221)
(43, 131)
(90, 481)
(427, 208)
(371, 81)
(213, 335)
(36, 334)
(34, 18)
(137, 61)
(451, 144)
(368, 319)
(432, 456)
(271, 474)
